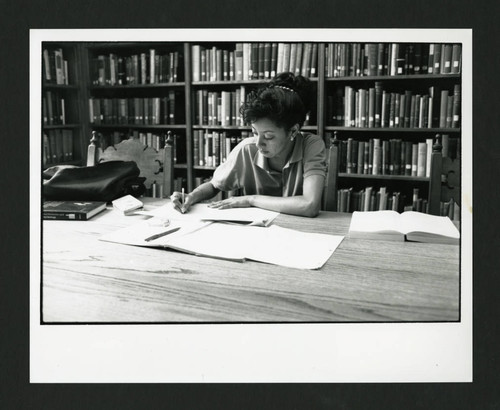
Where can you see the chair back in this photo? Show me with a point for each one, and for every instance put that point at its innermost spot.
(445, 179)
(156, 166)
(332, 163)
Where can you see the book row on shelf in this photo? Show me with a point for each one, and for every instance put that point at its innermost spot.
(137, 110)
(369, 199)
(57, 146)
(143, 68)
(54, 67)
(53, 108)
(391, 59)
(378, 108)
(211, 148)
(222, 107)
(252, 61)
(392, 157)
(386, 157)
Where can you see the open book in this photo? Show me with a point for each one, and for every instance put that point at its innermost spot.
(274, 245)
(410, 225)
(202, 212)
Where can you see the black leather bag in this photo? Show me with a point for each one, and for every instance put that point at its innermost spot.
(105, 181)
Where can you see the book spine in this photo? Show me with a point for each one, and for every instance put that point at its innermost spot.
(456, 59)
(446, 58)
(428, 157)
(422, 159)
(456, 106)
(68, 216)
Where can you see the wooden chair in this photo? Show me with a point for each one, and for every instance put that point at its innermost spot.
(332, 163)
(156, 166)
(445, 179)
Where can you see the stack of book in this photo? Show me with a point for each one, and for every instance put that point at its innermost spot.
(143, 68)
(390, 59)
(378, 108)
(252, 61)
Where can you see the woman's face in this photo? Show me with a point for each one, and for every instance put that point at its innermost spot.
(272, 141)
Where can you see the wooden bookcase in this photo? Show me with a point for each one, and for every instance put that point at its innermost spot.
(190, 128)
(62, 131)
(137, 90)
(354, 130)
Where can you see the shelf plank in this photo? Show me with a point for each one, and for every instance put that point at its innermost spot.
(222, 127)
(239, 82)
(385, 177)
(60, 126)
(394, 77)
(52, 86)
(204, 168)
(394, 129)
(135, 86)
(139, 126)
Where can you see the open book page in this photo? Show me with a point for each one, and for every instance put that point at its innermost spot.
(417, 224)
(363, 224)
(254, 216)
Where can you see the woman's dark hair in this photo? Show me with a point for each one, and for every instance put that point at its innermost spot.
(286, 100)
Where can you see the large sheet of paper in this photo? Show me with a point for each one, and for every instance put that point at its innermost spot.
(274, 244)
(202, 212)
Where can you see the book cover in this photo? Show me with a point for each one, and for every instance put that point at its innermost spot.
(71, 210)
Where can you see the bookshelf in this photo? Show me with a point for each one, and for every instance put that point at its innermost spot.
(137, 90)
(62, 132)
(146, 89)
(386, 105)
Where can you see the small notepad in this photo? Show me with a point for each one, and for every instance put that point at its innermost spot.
(127, 204)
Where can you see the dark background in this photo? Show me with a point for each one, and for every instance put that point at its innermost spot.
(20, 16)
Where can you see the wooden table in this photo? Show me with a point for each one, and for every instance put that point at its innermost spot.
(89, 281)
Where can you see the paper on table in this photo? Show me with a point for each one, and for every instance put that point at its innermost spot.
(254, 216)
(275, 245)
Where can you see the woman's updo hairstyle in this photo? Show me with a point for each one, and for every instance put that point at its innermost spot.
(286, 100)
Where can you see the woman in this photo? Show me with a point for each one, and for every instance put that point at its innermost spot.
(280, 168)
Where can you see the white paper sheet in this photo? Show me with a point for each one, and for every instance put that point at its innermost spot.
(274, 244)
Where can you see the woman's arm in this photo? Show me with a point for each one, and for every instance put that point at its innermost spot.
(307, 204)
(200, 193)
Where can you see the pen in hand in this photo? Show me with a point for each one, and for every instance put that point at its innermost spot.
(183, 200)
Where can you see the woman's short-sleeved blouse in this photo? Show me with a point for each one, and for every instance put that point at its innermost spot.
(247, 169)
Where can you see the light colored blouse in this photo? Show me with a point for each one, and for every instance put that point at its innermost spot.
(247, 169)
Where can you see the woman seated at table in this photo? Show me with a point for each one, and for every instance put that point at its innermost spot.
(279, 168)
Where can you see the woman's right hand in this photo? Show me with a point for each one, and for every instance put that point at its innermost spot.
(176, 199)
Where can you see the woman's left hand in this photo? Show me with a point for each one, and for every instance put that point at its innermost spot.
(233, 202)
